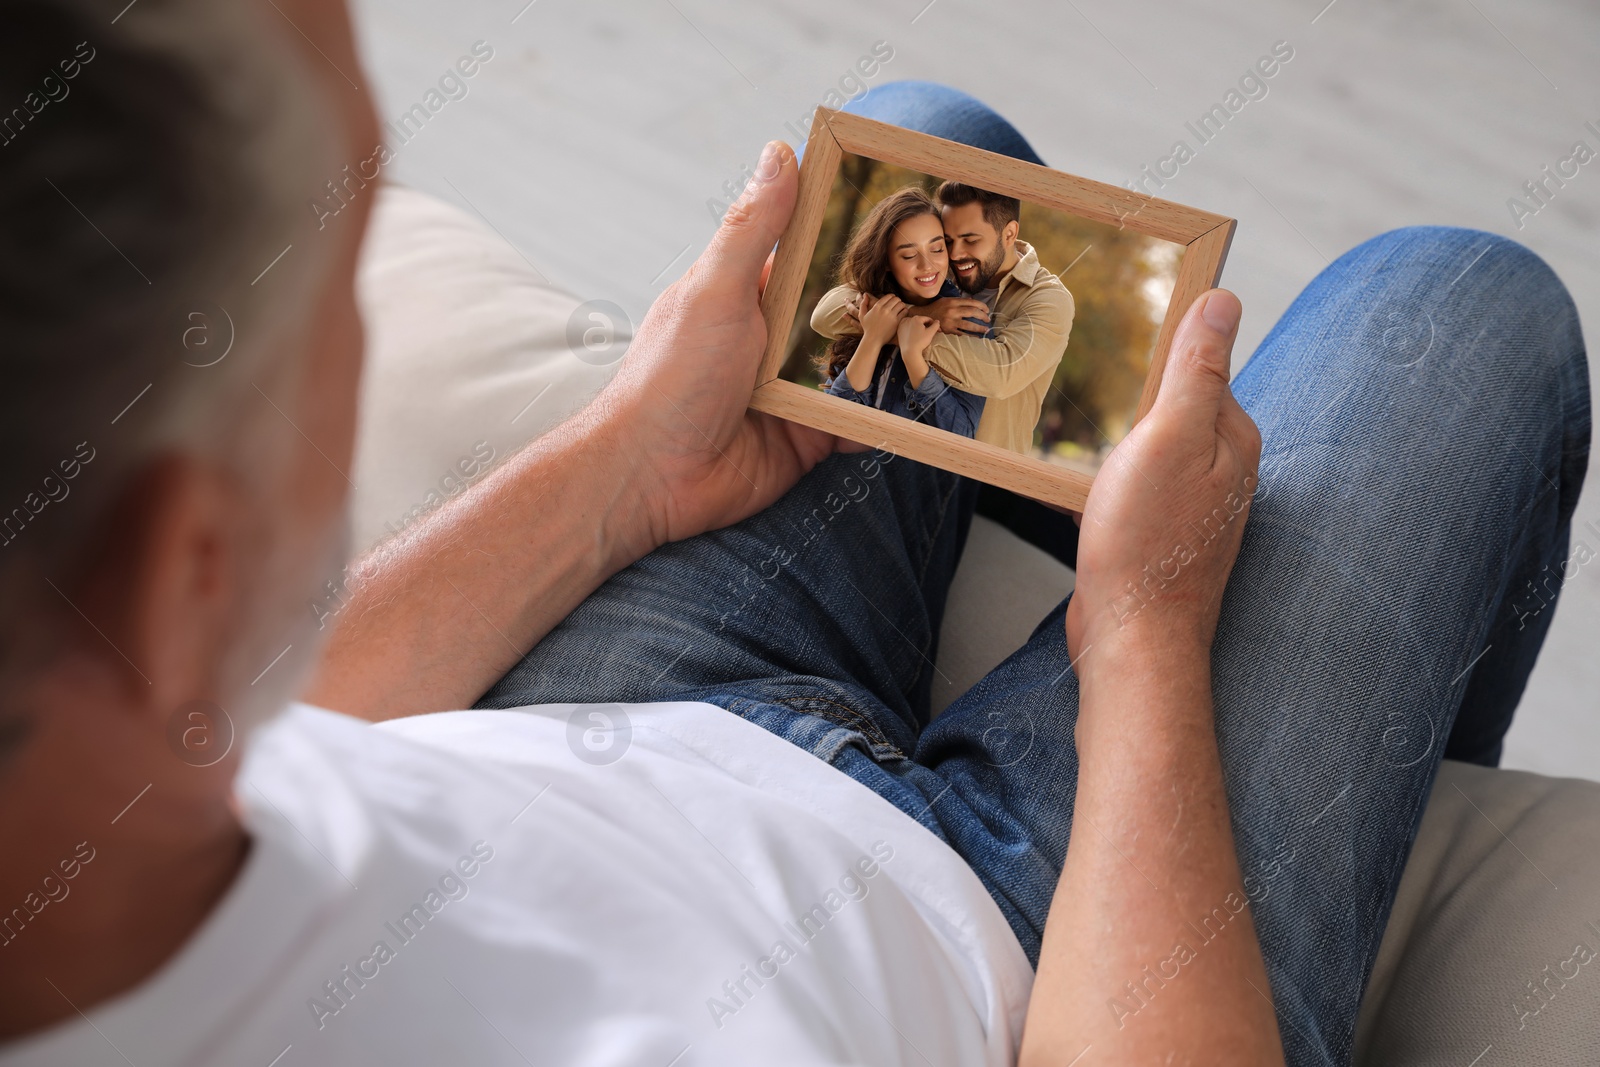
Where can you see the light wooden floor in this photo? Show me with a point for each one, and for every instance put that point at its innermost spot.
(594, 137)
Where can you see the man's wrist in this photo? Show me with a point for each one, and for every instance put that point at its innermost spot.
(1158, 702)
(616, 482)
(1143, 643)
(1145, 664)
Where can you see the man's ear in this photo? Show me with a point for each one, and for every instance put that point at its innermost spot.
(164, 585)
(1008, 236)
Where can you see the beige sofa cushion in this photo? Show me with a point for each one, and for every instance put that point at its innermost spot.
(470, 352)
(1492, 955)
(469, 356)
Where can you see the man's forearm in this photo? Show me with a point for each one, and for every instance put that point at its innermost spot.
(831, 317)
(1026, 347)
(1150, 950)
(668, 450)
(439, 614)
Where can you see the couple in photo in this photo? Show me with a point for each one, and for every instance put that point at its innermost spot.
(941, 314)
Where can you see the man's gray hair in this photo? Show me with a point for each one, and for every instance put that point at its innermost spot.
(152, 167)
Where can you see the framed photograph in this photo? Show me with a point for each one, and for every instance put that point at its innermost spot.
(991, 317)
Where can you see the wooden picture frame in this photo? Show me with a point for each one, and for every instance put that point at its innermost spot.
(1204, 236)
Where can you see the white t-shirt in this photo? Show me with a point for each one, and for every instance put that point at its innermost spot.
(535, 887)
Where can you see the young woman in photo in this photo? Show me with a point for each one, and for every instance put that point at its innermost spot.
(896, 260)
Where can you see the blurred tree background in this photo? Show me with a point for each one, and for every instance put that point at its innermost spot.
(1120, 280)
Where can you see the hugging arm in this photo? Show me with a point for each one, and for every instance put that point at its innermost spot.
(1124, 969)
(832, 317)
(1022, 349)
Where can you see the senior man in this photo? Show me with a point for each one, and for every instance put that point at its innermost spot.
(494, 886)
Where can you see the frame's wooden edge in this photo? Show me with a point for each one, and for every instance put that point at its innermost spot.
(781, 299)
(1206, 238)
(1100, 201)
(1027, 475)
(1200, 270)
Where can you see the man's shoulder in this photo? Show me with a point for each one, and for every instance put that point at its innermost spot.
(1038, 283)
(1047, 286)
(1045, 293)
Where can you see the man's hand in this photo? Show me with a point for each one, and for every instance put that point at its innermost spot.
(678, 405)
(1162, 525)
(1152, 842)
(952, 313)
(668, 449)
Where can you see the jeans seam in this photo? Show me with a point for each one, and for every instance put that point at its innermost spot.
(1574, 368)
(846, 717)
(933, 539)
(927, 560)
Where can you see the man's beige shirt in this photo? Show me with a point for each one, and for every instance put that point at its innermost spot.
(1032, 317)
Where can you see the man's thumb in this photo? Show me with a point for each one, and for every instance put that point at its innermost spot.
(756, 220)
(1197, 364)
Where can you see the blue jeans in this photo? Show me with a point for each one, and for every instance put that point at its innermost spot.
(1424, 407)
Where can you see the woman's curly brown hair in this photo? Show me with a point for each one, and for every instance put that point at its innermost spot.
(864, 264)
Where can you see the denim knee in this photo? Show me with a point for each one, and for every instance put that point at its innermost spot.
(1450, 346)
(931, 108)
(1466, 271)
(1522, 322)
(1476, 308)
(1433, 247)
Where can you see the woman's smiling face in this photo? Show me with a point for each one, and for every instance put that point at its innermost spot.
(917, 258)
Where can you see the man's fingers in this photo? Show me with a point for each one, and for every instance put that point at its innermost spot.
(1196, 374)
(756, 220)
